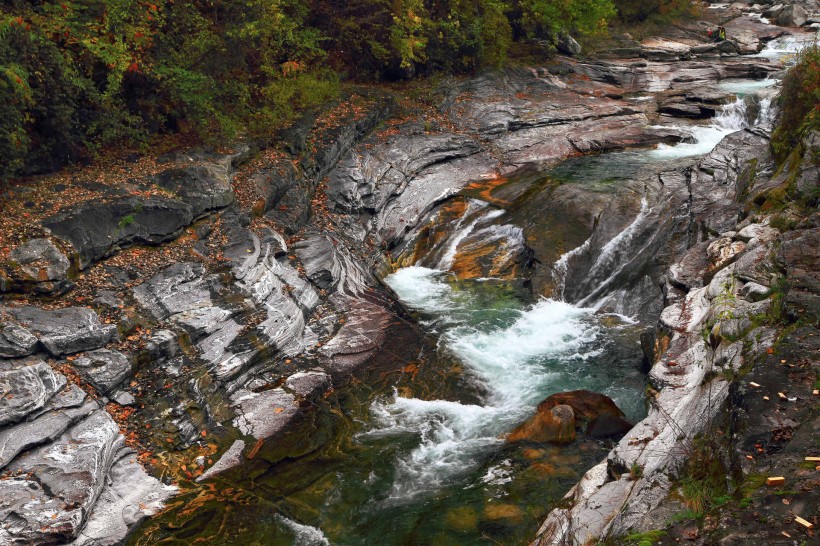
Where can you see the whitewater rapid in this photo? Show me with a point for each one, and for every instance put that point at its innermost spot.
(516, 355)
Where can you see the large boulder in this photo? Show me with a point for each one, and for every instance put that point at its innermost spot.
(559, 415)
(567, 45)
(596, 414)
(792, 15)
(555, 425)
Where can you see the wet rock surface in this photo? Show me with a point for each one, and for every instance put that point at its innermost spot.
(268, 297)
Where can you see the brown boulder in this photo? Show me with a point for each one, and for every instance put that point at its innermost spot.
(555, 424)
(594, 414)
(586, 405)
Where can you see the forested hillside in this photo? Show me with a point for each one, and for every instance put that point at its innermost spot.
(77, 76)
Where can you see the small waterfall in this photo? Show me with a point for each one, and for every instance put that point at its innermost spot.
(561, 266)
(614, 257)
(765, 115)
(732, 117)
(304, 535)
(460, 231)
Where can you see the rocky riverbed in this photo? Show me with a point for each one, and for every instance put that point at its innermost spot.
(176, 329)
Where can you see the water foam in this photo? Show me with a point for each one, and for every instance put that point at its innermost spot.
(304, 535)
(516, 360)
(731, 118)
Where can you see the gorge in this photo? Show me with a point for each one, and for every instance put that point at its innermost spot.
(331, 341)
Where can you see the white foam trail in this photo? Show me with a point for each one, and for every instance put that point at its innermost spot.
(460, 232)
(512, 362)
(559, 270)
(304, 535)
(745, 87)
(731, 118)
(764, 116)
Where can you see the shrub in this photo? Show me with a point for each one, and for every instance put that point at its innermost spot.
(799, 103)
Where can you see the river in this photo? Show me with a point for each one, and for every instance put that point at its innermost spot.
(422, 459)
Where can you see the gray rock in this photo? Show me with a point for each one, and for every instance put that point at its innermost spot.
(230, 459)
(567, 45)
(40, 267)
(64, 331)
(176, 289)
(97, 230)
(46, 425)
(203, 187)
(359, 338)
(308, 385)
(52, 489)
(130, 495)
(793, 15)
(265, 414)
(754, 292)
(330, 267)
(25, 387)
(123, 398)
(16, 341)
(103, 368)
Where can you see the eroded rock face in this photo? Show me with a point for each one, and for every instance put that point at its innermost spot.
(49, 503)
(63, 331)
(26, 387)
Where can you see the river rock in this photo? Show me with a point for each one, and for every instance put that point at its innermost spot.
(103, 368)
(40, 267)
(130, 495)
(792, 15)
(25, 387)
(359, 339)
(63, 331)
(308, 385)
(265, 414)
(15, 341)
(46, 424)
(555, 424)
(595, 414)
(52, 489)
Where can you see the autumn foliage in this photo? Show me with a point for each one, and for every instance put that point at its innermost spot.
(77, 76)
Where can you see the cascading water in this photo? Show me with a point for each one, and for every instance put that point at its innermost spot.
(732, 117)
(516, 355)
